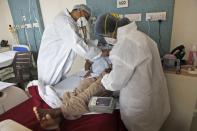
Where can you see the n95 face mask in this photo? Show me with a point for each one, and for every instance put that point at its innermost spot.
(110, 41)
(81, 22)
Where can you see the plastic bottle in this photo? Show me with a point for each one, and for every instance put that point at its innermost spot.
(194, 54)
(178, 66)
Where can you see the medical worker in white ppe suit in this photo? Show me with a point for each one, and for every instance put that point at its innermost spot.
(137, 73)
(60, 44)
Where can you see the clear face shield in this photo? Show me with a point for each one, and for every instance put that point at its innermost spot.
(83, 26)
(109, 37)
(110, 41)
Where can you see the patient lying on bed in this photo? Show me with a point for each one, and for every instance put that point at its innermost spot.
(75, 103)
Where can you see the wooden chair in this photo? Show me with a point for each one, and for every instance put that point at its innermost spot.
(22, 65)
(23, 48)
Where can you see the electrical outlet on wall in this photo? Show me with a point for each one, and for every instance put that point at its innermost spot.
(134, 17)
(155, 16)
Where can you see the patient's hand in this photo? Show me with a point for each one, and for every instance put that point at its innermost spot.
(87, 74)
(108, 70)
(104, 73)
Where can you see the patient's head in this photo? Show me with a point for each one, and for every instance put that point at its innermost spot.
(105, 48)
(105, 52)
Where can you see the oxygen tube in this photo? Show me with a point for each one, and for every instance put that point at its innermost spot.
(34, 24)
(25, 29)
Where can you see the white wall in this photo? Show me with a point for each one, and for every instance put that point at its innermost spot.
(185, 23)
(5, 20)
(183, 94)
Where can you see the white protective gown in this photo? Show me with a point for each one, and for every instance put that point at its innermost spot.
(138, 74)
(59, 46)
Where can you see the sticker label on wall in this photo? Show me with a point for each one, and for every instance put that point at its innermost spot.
(122, 3)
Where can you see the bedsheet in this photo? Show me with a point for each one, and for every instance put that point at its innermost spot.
(6, 58)
(23, 114)
(68, 84)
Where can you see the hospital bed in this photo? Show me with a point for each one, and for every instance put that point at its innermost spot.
(23, 114)
(6, 58)
(6, 69)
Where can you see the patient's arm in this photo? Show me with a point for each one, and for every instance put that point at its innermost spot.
(87, 74)
(88, 65)
(110, 66)
(108, 70)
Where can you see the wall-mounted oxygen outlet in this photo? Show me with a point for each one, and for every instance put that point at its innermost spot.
(28, 25)
(134, 17)
(155, 16)
(17, 27)
(22, 26)
(93, 20)
(36, 25)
